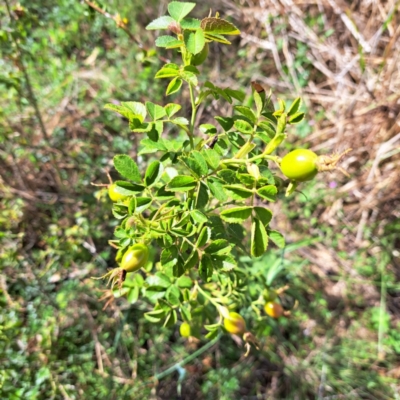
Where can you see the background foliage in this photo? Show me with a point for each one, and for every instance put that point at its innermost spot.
(61, 62)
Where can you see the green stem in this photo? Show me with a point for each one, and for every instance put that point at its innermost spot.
(158, 211)
(210, 299)
(193, 119)
(248, 146)
(187, 359)
(247, 160)
(191, 244)
(190, 132)
(246, 149)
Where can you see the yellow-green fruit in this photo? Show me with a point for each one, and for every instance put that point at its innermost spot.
(300, 165)
(135, 257)
(114, 195)
(185, 329)
(235, 324)
(198, 59)
(274, 310)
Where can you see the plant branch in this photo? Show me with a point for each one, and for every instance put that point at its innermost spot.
(118, 21)
(187, 359)
(193, 119)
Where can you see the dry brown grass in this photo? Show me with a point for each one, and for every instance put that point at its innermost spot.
(354, 81)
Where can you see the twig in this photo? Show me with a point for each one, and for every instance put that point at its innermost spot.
(118, 21)
(187, 359)
(121, 24)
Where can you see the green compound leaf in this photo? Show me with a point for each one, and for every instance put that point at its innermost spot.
(217, 26)
(259, 238)
(194, 41)
(258, 100)
(172, 108)
(182, 183)
(174, 86)
(190, 23)
(189, 77)
(168, 42)
(264, 214)
(208, 129)
(228, 262)
(155, 111)
(191, 68)
(127, 188)
(150, 146)
(169, 257)
(296, 118)
(129, 109)
(294, 108)
(238, 192)
(160, 23)
(277, 238)
(173, 295)
(155, 131)
(236, 94)
(204, 237)
(171, 319)
(184, 282)
(155, 317)
(237, 214)
(142, 203)
(225, 122)
(178, 10)
(268, 192)
(196, 163)
(247, 112)
(180, 121)
(153, 173)
(243, 127)
(217, 189)
(168, 71)
(206, 268)
(217, 38)
(127, 167)
(201, 195)
(159, 279)
(192, 261)
(212, 158)
(198, 216)
(219, 247)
